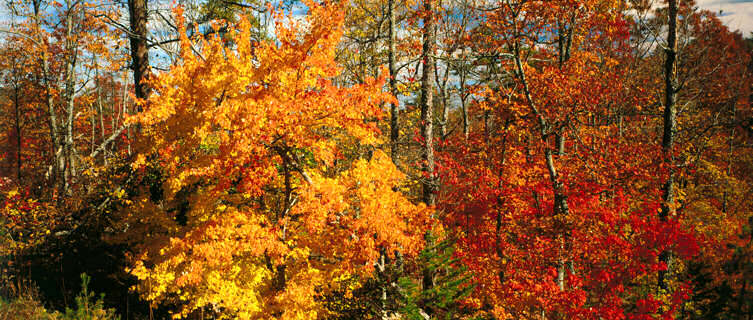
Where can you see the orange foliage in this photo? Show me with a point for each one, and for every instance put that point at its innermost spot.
(256, 132)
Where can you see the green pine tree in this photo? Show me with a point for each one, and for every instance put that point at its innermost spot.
(452, 283)
(87, 307)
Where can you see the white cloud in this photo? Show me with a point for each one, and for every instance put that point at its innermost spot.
(736, 14)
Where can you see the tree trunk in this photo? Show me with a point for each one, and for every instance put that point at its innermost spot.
(394, 136)
(445, 109)
(17, 107)
(70, 83)
(101, 121)
(427, 105)
(441, 89)
(139, 50)
(670, 123)
(52, 116)
(561, 208)
(463, 108)
(394, 111)
(427, 122)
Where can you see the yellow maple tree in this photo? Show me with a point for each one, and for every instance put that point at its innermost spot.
(249, 136)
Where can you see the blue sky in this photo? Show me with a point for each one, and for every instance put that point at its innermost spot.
(737, 14)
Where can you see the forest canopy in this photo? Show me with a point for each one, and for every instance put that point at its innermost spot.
(374, 159)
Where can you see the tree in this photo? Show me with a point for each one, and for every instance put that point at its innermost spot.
(250, 142)
(553, 183)
(670, 121)
(138, 17)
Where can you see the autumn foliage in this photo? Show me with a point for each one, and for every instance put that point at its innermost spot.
(251, 137)
(376, 159)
